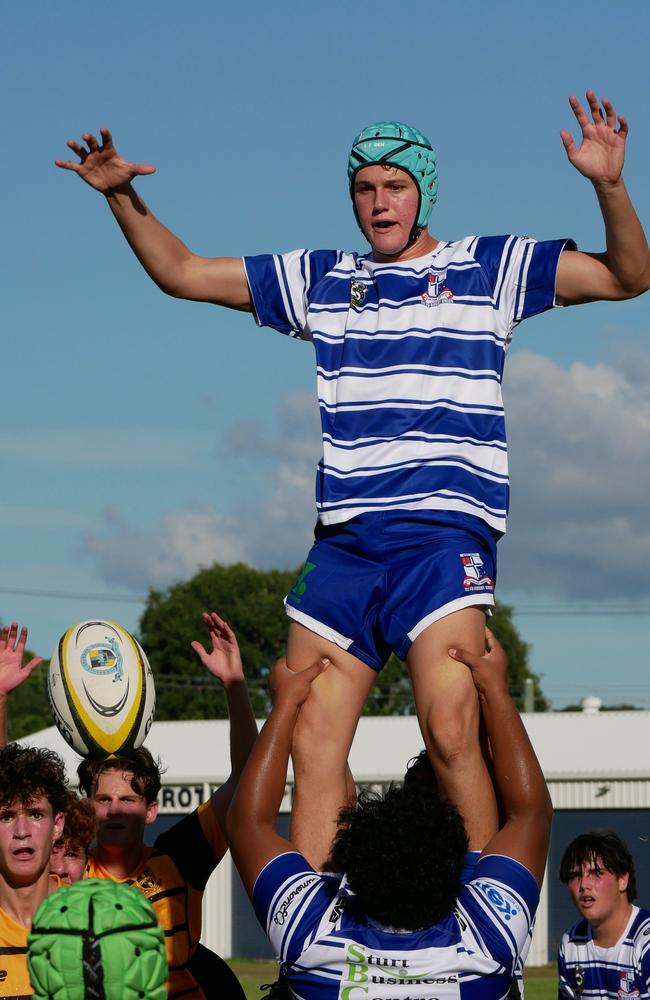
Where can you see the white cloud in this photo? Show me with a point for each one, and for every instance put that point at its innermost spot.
(182, 543)
(580, 464)
(580, 470)
(272, 526)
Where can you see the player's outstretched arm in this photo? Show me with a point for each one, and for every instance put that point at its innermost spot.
(517, 774)
(250, 826)
(165, 258)
(224, 662)
(623, 270)
(12, 671)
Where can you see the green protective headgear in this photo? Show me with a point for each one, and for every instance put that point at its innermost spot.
(97, 939)
(402, 146)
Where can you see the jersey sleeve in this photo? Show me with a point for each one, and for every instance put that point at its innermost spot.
(289, 899)
(281, 285)
(643, 940)
(564, 990)
(195, 844)
(521, 273)
(498, 906)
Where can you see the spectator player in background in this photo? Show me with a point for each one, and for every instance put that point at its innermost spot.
(398, 915)
(173, 873)
(607, 953)
(412, 489)
(70, 852)
(33, 796)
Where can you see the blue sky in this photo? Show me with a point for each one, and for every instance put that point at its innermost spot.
(143, 436)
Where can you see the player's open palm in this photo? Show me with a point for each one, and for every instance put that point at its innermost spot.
(100, 165)
(12, 651)
(601, 155)
(223, 660)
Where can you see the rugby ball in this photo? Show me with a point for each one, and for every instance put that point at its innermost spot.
(101, 689)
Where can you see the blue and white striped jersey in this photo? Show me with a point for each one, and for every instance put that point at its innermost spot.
(330, 950)
(585, 970)
(409, 364)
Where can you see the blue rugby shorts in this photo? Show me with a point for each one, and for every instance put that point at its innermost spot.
(373, 584)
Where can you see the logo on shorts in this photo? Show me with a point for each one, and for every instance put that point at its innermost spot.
(475, 577)
(437, 292)
(357, 293)
(300, 586)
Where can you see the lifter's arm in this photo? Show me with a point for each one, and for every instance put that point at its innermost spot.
(165, 258)
(13, 672)
(623, 270)
(224, 662)
(250, 825)
(517, 774)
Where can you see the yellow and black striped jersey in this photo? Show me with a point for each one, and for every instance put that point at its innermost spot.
(14, 977)
(173, 875)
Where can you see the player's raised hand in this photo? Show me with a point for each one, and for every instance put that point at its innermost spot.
(224, 660)
(489, 671)
(12, 650)
(100, 164)
(293, 686)
(601, 155)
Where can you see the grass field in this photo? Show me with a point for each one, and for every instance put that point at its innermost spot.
(539, 983)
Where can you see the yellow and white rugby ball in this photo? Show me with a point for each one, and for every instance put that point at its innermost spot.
(101, 689)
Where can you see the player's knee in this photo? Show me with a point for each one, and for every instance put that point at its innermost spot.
(315, 747)
(452, 731)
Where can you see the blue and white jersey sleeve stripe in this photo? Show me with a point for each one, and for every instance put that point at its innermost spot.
(280, 285)
(499, 906)
(289, 899)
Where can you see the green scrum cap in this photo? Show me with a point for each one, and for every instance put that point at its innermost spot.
(98, 939)
(401, 146)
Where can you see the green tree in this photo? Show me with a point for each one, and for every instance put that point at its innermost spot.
(29, 707)
(251, 601)
(517, 651)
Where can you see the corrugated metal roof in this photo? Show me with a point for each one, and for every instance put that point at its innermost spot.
(570, 745)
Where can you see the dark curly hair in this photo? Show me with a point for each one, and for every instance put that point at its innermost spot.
(29, 772)
(602, 846)
(80, 824)
(140, 763)
(419, 769)
(403, 854)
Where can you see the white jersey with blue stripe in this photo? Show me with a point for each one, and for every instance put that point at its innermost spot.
(409, 364)
(329, 950)
(586, 970)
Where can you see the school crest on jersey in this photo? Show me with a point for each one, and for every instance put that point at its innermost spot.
(626, 986)
(147, 883)
(437, 292)
(475, 576)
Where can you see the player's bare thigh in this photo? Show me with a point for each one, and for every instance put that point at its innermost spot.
(328, 719)
(448, 713)
(442, 686)
(322, 739)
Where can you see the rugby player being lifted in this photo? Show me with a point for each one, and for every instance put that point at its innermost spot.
(412, 489)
